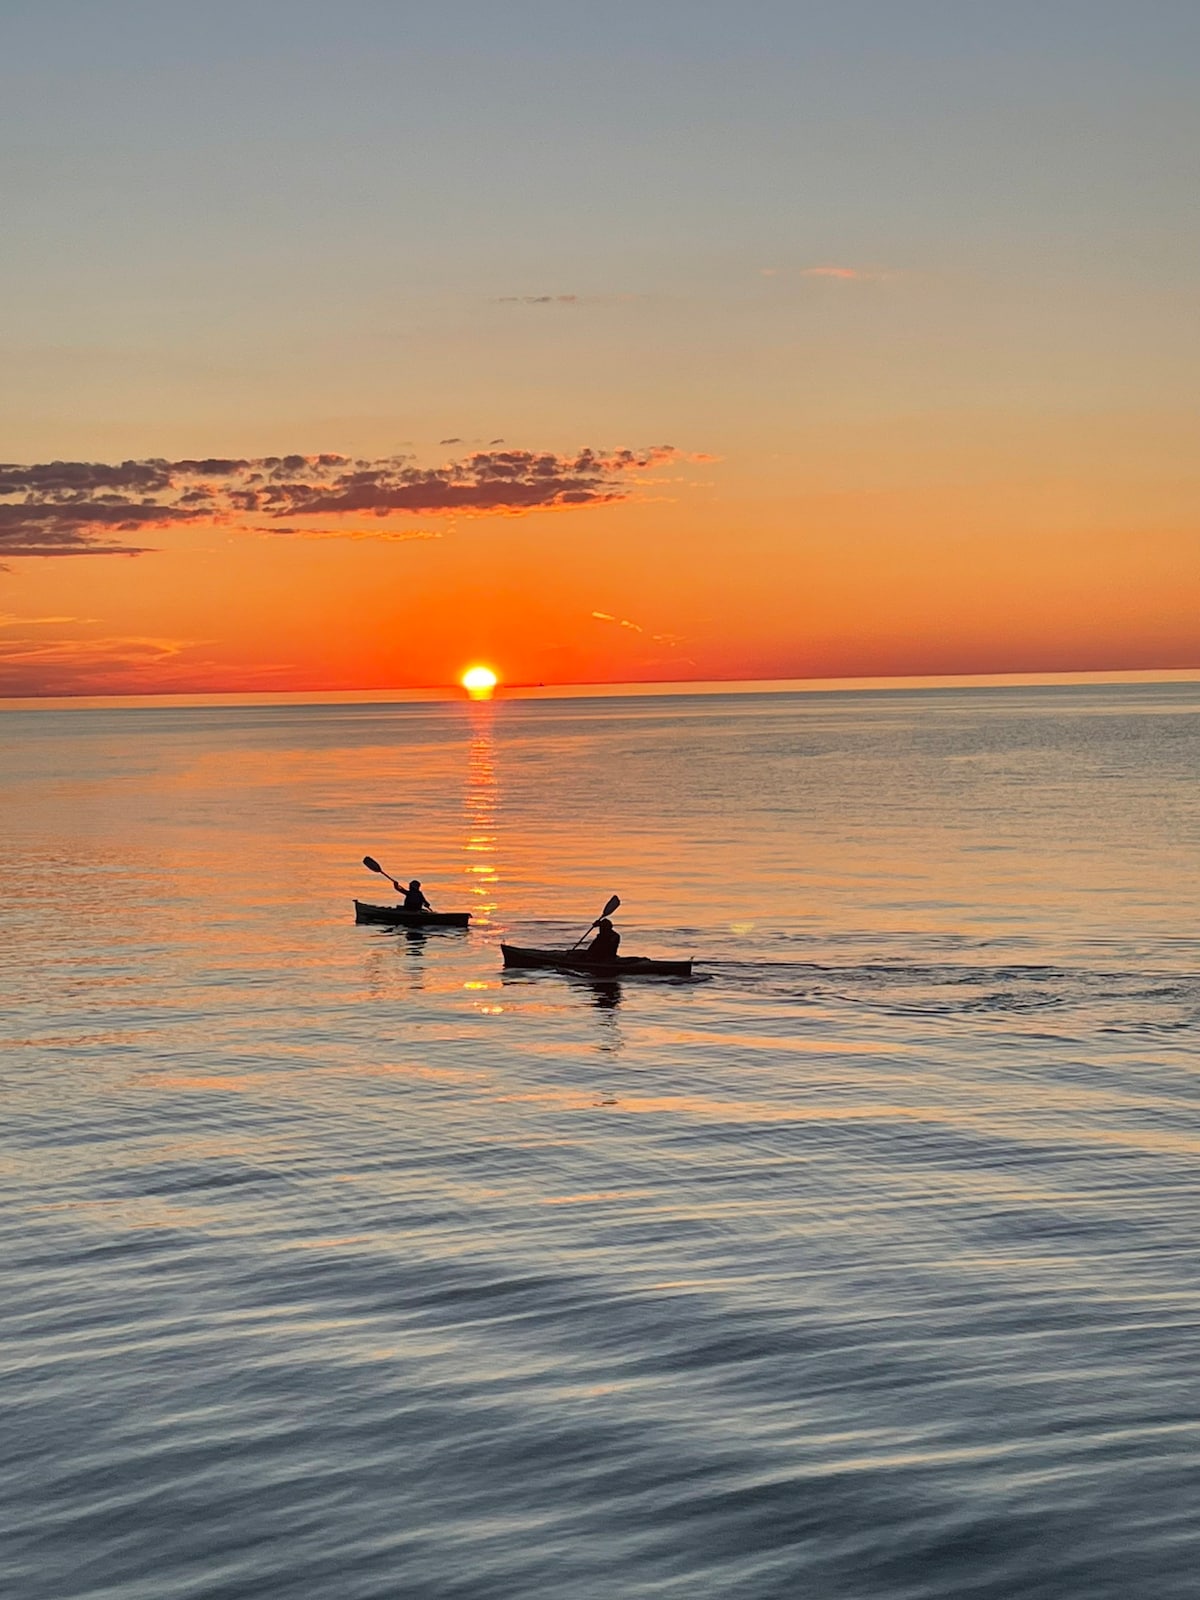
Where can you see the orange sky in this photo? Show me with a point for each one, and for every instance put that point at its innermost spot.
(726, 569)
(915, 314)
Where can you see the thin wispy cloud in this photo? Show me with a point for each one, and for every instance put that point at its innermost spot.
(68, 666)
(134, 651)
(840, 274)
(62, 508)
(126, 664)
(669, 639)
(565, 299)
(846, 274)
(10, 619)
(621, 622)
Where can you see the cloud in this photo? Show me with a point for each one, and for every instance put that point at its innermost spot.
(565, 299)
(64, 508)
(129, 664)
(620, 621)
(9, 619)
(845, 274)
(65, 666)
(73, 528)
(61, 664)
(136, 648)
(607, 616)
(669, 639)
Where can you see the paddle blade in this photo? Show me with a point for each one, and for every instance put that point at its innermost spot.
(607, 912)
(373, 866)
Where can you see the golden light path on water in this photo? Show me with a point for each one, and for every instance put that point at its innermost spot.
(480, 806)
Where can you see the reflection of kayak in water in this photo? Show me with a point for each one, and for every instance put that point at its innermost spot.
(397, 917)
(588, 966)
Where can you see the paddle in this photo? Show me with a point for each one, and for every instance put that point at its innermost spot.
(607, 912)
(373, 866)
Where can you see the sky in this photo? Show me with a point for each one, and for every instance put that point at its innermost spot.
(346, 346)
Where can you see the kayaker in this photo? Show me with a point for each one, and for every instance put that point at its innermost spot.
(605, 945)
(414, 900)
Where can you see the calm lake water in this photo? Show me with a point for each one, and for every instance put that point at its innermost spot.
(337, 1263)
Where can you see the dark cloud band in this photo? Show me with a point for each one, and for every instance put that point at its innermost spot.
(78, 507)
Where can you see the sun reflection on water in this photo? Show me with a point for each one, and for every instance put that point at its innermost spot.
(480, 807)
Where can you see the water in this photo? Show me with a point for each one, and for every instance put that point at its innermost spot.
(337, 1263)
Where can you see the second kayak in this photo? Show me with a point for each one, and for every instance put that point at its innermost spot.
(572, 961)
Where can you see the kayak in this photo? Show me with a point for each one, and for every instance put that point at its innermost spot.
(394, 917)
(620, 967)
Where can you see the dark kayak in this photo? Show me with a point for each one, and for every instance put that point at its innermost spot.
(394, 917)
(568, 961)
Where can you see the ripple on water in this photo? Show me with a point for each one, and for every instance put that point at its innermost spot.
(336, 1263)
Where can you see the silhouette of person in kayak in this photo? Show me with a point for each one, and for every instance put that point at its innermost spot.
(414, 900)
(605, 945)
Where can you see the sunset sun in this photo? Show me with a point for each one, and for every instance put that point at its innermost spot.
(479, 680)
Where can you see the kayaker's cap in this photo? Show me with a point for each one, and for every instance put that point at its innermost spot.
(415, 884)
(604, 922)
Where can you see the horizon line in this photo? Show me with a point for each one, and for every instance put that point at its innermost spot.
(673, 687)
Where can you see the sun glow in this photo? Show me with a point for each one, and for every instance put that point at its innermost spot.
(479, 680)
